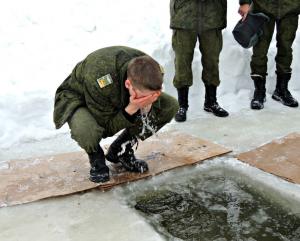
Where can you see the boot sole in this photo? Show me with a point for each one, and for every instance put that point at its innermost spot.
(210, 110)
(277, 98)
(134, 169)
(99, 180)
(258, 108)
(180, 120)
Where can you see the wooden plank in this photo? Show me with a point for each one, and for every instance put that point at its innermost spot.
(33, 179)
(280, 157)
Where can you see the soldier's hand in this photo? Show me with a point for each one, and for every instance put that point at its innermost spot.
(244, 10)
(139, 103)
(142, 102)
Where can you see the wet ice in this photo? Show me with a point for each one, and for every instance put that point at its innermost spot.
(214, 205)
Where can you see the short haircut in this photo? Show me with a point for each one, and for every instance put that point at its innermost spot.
(145, 73)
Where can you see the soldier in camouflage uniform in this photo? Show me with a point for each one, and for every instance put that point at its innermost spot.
(284, 15)
(202, 20)
(112, 89)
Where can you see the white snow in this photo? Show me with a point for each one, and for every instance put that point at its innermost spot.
(41, 41)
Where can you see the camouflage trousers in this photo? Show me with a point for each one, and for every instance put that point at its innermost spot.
(88, 133)
(210, 45)
(285, 36)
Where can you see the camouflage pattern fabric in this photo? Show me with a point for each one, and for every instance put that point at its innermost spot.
(210, 44)
(198, 15)
(86, 131)
(93, 97)
(275, 8)
(286, 32)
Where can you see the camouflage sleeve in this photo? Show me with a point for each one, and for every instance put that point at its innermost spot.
(68, 97)
(245, 2)
(103, 105)
(109, 118)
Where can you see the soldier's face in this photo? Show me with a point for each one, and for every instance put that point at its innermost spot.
(140, 93)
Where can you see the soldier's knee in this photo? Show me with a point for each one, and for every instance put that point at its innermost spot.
(87, 139)
(171, 108)
(85, 130)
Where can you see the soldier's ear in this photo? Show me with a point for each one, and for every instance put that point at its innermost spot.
(127, 83)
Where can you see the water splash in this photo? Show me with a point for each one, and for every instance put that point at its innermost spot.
(147, 123)
(124, 145)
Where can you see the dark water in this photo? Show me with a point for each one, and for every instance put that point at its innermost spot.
(213, 206)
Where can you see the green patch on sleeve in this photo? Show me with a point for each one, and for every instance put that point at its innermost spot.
(105, 81)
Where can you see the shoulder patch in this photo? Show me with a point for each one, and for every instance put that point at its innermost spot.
(105, 81)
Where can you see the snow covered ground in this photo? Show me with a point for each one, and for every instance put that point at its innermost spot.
(40, 44)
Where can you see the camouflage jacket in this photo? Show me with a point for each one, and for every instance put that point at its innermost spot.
(97, 83)
(275, 8)
(198, 15)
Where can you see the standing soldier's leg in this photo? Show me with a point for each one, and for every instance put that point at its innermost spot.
(162, 112)
(211, 43)
(286, 33)
(259, 65)
(183, 43)
(87, 133)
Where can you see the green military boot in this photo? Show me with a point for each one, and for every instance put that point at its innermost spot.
(183, 94)
(121, 151)
(259, 97)
(99, 171)
(211, 104)
(282, 93)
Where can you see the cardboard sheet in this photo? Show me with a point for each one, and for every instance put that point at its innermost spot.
(28, 180)
(281, 157)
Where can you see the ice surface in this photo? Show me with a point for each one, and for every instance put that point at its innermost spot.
(93, 216)
(41, 41)
(40, 51)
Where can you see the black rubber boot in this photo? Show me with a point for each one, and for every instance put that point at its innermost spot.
(211, 104)
(183, 95)
(99, 171)
(282, 93)
(121, 151)
(259, 96)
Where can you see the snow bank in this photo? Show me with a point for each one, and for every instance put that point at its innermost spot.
(41, 41)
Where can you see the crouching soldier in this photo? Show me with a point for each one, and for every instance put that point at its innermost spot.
(284, 15)
(193, 20)
(112, 89)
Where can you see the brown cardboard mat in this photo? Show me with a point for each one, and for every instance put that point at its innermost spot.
(280, 157)
(32, 179)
